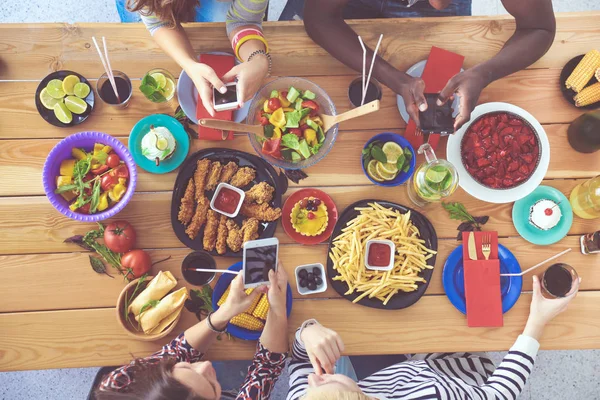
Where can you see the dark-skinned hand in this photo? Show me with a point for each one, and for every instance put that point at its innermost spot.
(468, 86)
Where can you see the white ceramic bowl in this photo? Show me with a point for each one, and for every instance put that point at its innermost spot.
(222, 186)
(481, 192)
(392, 247)
(306, 291)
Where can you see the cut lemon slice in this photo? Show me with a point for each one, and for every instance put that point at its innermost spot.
(372, 171)
(388, 168)
(47, 100)
(54, 89)
(81, 90)
(160, 79)
(392, 151)
(62, 113)
(75, 104)
(382, 173)
(161, 143)
(68, 84)
(169, 90)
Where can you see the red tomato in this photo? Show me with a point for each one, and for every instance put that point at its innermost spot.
(310, 104)
(119, 236)
(296, 131)
(304, 127)
(272, 148)
(88, 177)
(284, 94)
(274, 103)
(84, 209)
(121, 171)
(100, 170)
(113, 160)
(264, 121)
(136, 263)
(107, 181)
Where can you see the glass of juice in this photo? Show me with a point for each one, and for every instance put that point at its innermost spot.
(557, 280)
(107, 94)
(585, 199)
(158, 85)
(374, 92)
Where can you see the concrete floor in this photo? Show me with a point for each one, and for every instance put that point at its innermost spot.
(558, 375)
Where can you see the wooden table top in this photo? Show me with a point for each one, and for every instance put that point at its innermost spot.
(56, 312)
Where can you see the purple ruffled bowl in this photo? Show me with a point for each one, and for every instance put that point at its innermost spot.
(62, 151)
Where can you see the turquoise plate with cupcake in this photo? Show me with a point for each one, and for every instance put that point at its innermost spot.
(543, 217)
(159, 143)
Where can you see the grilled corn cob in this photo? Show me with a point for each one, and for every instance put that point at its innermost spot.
(589, 95)
(262, 308)
(598, 74)
(247, 321)
(224, 297)
(584, 71)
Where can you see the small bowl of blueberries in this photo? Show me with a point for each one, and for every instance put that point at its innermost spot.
(310, 279)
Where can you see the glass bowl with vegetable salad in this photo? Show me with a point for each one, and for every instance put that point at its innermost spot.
(290, 110)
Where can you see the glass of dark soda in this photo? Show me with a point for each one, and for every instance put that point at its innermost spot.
(558, 280)
(107, 93)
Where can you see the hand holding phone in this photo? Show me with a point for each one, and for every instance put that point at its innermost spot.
(228, 100)
(436, 119)
(260, 257)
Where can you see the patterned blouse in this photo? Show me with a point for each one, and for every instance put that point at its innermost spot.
(262, 374)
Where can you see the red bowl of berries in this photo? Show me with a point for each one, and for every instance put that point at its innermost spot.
(501, 155)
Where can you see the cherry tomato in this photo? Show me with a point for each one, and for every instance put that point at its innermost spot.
(274, 103)
(304, 127)
(119, 236)
(264, 121)
(272, 148)
(84, 209)
(88, 177)
(310, 104)
(284, 94)
(314, 113)
(113, 160)
(107, 181)
(121, 171)
(296, 131)
(136, 263)
(100, 170)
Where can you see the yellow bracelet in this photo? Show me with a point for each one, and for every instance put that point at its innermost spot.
(247, 38)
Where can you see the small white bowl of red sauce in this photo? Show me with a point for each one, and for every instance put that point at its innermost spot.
(380, 255)
(227, 200)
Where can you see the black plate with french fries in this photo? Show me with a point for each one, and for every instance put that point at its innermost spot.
(407, 281)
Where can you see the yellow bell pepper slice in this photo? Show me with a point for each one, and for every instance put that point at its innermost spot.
(278, 118)
(276, 133)
(284, 101)
(311, 136)
(317, 120)
(107, 149)
(103, 202)
(266, 106)
(117, 192)
(288, 109)
(67, 167)
(78, 154)
(98, 147)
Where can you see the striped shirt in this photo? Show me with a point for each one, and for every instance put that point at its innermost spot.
(235, 13)
(447, 376)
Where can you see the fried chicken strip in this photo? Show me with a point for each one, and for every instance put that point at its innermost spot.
(186, 208)
(250, 230)
(199, 218)
(200, 177)
(228, 171)
(243, 177)
(213, 175)
(262, 212)
(222, 235)
(234, 236)
(259, 193)
(210, 231)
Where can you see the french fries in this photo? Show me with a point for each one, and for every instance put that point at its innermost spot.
(378, 222)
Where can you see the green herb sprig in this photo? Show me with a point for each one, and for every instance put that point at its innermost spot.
(469, 223)
(128, 299)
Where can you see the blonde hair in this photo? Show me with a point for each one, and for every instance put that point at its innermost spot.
(335, 395)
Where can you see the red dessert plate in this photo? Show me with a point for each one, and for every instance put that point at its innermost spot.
(287, 210)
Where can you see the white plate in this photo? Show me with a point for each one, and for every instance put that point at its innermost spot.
(187, 94)
(416, 71)
(499, 196)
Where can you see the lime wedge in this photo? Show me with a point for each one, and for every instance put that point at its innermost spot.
(160, 79)
(54, 88)
(384, 174)
(81, 90)
(47, 100)
(436, 175)
(68, 84)
(161, 143)
(388, 168)
(372, 171)
(62, 113)
(169, 90)
(392, 151)
(75, 104)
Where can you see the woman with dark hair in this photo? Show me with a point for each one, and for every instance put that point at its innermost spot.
(243, 20)
(176, 372)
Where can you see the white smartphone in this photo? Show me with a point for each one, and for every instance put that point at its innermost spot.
(228, 100)
(260, 256)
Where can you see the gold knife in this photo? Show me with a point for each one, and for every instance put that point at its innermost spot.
(472, 248)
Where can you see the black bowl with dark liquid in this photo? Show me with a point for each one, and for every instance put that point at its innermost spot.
(198, 259)
(557, 280)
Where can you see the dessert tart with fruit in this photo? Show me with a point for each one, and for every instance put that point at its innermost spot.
(309, 216)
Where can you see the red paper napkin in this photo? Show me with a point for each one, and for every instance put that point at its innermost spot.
(482, 283)
(221, 64)
(440, 67)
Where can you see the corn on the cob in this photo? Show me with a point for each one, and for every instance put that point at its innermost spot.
(598, 74)
(224, 297)
(262, 308)
(247, 321)
(589, 95)
(584, 71)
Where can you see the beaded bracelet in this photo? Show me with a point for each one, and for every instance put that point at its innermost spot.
(264, 53)
(212, 327)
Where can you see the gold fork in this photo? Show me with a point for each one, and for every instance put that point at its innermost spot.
(486, 246)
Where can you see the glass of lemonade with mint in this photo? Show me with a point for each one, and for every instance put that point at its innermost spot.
(158, 85)
(433, 180)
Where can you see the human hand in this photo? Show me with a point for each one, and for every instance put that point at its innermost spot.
(238, 301)
(277, 294)
(205, 78)
(324, 347)
(468, 85)
(543, 310)
(411, 89)
(250, 76)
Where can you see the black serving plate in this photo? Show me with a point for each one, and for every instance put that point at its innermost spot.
(264, 173)
(48, 115)
(401, 299)
(568, 94)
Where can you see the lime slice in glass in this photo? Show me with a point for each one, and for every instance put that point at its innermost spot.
(169, 90)
(68, 84)
(160, 79)
(372, 171)
(436, 174)
(81, 90)
(75, 104)
(47, 100)
(392, 151)
(54, 89)
(62, 113)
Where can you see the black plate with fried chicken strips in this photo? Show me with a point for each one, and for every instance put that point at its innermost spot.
(200, 228)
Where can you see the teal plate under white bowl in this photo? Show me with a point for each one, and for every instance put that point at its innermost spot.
(181, 138)
(520, 216)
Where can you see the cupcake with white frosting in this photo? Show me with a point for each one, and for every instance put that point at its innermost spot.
(158, 144)
(545, 214)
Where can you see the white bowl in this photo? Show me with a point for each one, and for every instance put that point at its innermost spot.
(388, 243)
(481, 192)
(221, 186)
(306, 291)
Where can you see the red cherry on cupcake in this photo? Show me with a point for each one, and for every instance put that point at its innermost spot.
(548, 211)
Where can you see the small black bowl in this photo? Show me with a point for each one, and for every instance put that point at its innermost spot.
(568, 94)
(198, 259)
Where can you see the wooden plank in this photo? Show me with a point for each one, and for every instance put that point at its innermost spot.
(80, 287)
(22, 161)
(30, 51)
(537, 91)
(31, 225)
(86, 338)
